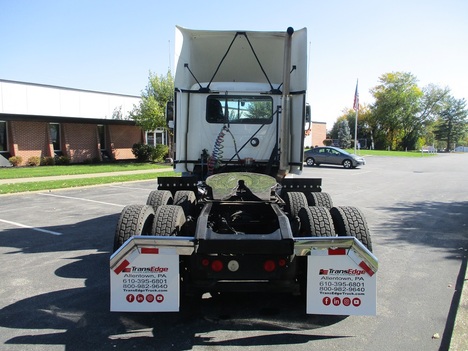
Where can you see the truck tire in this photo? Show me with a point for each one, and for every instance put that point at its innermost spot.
(349, 221)
(319, 199)
(294, 202)
(316, 221)
(168, 220)
(187, 200)
(157, 198)
(133, 220)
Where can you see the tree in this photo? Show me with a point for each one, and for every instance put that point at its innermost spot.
(344, 134)
(395, 113)
(150, 114)
(117, 113)
(363, 131)
(452, 123)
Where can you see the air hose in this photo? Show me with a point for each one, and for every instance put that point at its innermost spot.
(214, 160)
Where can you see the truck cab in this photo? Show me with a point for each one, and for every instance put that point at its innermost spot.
(230, 101)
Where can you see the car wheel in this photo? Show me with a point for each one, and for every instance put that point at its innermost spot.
(310, 161)
(347, 164)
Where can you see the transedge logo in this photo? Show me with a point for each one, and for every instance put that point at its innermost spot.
(349, 271)
(152, 269)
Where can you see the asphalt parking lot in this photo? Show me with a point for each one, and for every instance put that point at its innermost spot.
(55, 248)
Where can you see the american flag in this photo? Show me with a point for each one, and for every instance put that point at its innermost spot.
(356, 99)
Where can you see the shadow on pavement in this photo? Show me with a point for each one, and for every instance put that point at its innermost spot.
(80, 319)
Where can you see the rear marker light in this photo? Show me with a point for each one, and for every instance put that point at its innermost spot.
(282, 262)
(269, 266)
(205, 262)
(216, 266)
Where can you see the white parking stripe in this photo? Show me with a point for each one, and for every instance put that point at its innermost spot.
(29, 227)
(82, 199)
(127, 187)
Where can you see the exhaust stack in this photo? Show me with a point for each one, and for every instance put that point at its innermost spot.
(285, 134)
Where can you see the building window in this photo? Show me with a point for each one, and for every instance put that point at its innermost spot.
(160, 140)
(54, 129)
(102, 136)
(150, 138)
(157, 137)
(3, 137)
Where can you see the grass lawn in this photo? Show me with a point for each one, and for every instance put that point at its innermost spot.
(72, 183)
(45, 171)
(365, 152)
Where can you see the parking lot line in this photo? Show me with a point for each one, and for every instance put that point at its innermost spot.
(30, 227)
(82, 199)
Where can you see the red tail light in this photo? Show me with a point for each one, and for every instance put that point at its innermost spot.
(269, 266)
(217, 266)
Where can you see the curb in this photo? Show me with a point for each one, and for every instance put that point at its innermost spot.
(459, 340)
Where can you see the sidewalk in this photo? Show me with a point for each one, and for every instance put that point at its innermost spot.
(459, 340)
(78, 176)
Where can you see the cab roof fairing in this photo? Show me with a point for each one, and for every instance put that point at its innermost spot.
(203, 51)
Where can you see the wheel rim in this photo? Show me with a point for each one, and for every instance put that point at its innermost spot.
(347, 164)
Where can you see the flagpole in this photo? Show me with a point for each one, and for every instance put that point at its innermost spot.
(355, 131)
(356, 108)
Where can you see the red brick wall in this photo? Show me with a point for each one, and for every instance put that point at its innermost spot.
(319, 133)
(29, 139)
(122, 139)
(80, 141)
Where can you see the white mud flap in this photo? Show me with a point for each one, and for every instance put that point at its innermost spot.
(144, 275)
(341, 276)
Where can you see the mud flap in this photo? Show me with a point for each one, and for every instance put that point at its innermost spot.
(341, 276)
(144, 275)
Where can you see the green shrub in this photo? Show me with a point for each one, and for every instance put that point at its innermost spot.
(142, 152)
(159, 153)
(62, 160)
(34, 161)
(48, 161)
(16, 160)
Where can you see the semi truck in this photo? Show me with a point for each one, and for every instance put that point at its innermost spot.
(240, 218)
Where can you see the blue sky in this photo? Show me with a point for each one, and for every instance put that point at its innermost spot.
(111, 45)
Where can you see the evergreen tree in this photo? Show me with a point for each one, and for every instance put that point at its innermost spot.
(344, 134)
(452, 123)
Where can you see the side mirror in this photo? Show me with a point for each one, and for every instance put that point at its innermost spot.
(170, 114)
(307, 114)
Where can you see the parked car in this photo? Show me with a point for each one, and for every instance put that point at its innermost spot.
(332, 156)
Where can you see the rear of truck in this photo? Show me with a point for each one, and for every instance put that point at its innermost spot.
(239, 218)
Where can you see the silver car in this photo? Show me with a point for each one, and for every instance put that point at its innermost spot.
(332, 156)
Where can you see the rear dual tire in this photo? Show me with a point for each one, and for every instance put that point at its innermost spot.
(350, 221)
(136, 220)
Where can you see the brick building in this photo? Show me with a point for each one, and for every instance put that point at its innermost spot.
(49, 121)
(316, 134)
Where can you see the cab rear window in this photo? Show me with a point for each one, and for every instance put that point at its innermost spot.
(239, 109)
